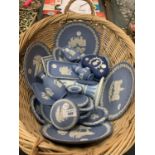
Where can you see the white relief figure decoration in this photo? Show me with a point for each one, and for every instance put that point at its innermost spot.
(49, 92)
(78, 42)
(80, 132)
(38, 64)
(58, 83)
(65, 70)
(45, 96)
(64, 112)
(115, 90)
(94, 116)
(61, 132)
(71, 52)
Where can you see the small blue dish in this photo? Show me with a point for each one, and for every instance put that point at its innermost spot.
(32, 61)
(61, 70)
(84, 115)
(74, 89)
(79, 135)
(64, 114)
(118, 90)
(36, 109)
(79, 36)
(45, 112)
(97, 64)
(53, 87)
(98, 116)
(88, 107)
(41, 95)
(80, 100)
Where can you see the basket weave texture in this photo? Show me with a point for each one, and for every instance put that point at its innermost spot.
(116, 45)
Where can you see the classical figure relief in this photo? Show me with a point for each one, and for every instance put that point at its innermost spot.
(38, 64)
(80, 132)
(115, 90)
(64, 112)
(77, 42)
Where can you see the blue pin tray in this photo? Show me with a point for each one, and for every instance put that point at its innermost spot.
(61, 70)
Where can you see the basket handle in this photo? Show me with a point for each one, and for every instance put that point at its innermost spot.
(72, 1)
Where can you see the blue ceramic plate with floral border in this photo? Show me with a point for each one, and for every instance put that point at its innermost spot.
(118, 90)
(79, 36)
(32, 61)
(79, 135)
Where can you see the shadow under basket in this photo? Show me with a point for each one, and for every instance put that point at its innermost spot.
(115, 44)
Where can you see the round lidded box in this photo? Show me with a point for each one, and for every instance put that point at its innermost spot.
(64, 114)
(115, 44)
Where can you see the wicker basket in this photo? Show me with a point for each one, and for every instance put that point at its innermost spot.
(117, 46)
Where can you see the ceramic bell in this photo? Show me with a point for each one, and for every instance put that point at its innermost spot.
(97, 64)
(53, 87)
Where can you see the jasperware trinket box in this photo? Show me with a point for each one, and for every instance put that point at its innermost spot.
(64, 114)
(97, 64)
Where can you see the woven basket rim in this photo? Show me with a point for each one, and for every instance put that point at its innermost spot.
(27, 35)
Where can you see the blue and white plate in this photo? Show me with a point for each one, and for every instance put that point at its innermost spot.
(79, 135)
(64, 114)
(98, 116)
(36, 109)
(32, 61)
(45, 112)
(61, 70)
(41, 95)
(79, 36)
(97, 64)
(118, 90)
